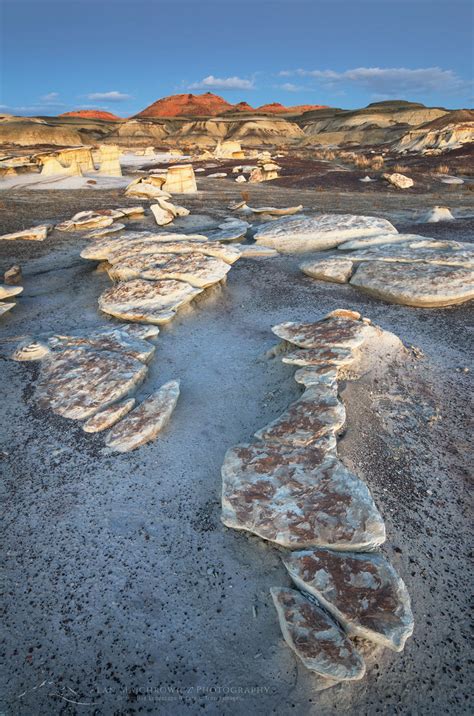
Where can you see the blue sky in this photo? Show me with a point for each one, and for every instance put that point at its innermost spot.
(119, 55)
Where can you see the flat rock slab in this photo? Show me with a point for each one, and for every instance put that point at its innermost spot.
(316, 374)
(100, 250)
(255, 251)
(334, 270)
(112, 339)
(419, 253)
(107, 417)
(5, 307)
(273, 210)
(298, 497)
(380, 240)
(229, 254)
(231, 232)
(319, 356)
(423, 285)
(35, 233)
(315, 414)
(196, 269)
(362, 591)
(318, 233)
(146, 301)
(315, 638)
(100, 233)
(77, 382)
(8, 291)
(333, 332)
(145, 422)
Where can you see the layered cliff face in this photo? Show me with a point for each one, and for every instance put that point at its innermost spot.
(26, 132)
(450, 131)
(376, 124)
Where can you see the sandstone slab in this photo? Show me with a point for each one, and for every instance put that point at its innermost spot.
(111, 339)
(7, 291)
(298, 497)
(319, 356)
(362, 591)
(145, 422)
(162, 216)
(77, 382)
(418, 284)
(317, 640)
(229, 254)
(35, 233)
(334, 270)
(196, 269)
(153, 302)
(320, 232)
(334, 332)
(317, 413)
(100, 250)
(5, 307)
(379, 240)
(105, 418)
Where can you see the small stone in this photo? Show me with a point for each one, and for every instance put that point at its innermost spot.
(13, 275)
(8, 291)
(400, 181)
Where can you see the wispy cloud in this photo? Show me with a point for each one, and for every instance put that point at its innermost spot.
(51, 97)
(390, 81)
(223, 83)
(112, 96)
(290, 87)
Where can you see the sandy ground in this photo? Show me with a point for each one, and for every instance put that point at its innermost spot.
(123, 593)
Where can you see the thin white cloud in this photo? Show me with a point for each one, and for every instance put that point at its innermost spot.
(112, 96)
(290, 87)
(51, 97)
(223, 83)
(390, 81)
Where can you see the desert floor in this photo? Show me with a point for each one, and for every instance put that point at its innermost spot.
(123, 591)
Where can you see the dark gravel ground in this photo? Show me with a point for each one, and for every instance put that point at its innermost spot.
(123, 593)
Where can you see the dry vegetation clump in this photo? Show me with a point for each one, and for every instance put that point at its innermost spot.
(442, 169)
(377, 163)
(401, 168)
(327, 155)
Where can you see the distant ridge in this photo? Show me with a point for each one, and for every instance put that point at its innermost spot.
(211, 105)
(91, 114)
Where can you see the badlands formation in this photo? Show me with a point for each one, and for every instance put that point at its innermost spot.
(146, 264)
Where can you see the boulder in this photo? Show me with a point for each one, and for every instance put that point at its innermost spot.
(438, 213)
(317, 640)
(362, 591)
(51, 166)
(147, 188)
(180, 179)
(162, 216)
(241, 179)
(196, 269)
(318, 233)
(415, 284)
(109, 160)
(104, 419)
(13, 275)
(77, 157)
(400, 181)
(144, 423)
(298, 497)
(35, 233)
(153, 302)
(228, 149)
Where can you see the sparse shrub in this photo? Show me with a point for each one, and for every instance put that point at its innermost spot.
(361, 161)
(401, 168)
(377, 163)
(442, 169)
